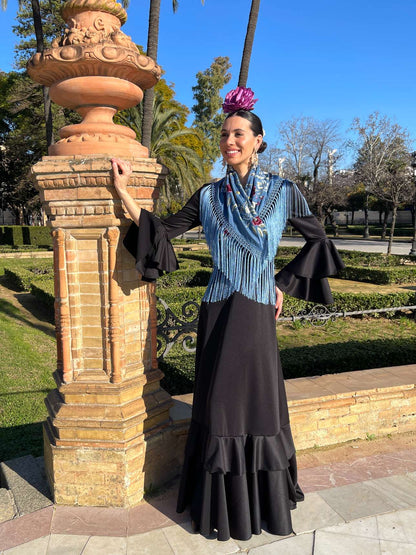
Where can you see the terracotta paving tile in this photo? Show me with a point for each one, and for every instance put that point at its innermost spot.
(156, 513)
(93, 521)
(360, 470)
(25, 528)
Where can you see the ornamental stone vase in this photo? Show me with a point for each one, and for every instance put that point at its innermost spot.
(96, 70)
(108, 434)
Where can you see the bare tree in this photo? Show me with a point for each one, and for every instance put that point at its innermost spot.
(306, 143)
(295, 136)
(383, 162)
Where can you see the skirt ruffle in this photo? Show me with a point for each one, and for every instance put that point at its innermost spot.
(236, 483)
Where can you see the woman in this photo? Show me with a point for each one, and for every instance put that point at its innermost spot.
(240, 464)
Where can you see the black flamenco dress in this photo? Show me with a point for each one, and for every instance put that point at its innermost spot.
(240, 463)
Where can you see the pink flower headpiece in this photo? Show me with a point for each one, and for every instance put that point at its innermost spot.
(240, 98)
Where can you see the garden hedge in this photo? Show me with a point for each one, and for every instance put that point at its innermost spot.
(176, 296)
(399, 231)
(380, 276)
(18, 235)
(331, 358)
(43, 290)
(22, 276)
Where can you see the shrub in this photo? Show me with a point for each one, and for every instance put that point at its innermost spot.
(300, 362)
(352, 355)
(377, 230)
(185, 278)
(347, 302)
(18, 235)
(380, 276)
(203, 257)
(22, 275)
(43, 290)
(356, 258)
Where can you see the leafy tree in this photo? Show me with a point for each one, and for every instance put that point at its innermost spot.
(207, 109)
(152, 47)
(38, 23)
(22, 134)
(176, 146)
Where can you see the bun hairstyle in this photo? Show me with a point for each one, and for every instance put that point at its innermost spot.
(255, 125)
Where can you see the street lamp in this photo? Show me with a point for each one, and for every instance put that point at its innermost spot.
(413, 166)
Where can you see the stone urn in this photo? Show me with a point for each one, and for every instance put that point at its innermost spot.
(96, 70)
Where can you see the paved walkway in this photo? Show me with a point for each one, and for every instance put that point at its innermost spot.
(400, 245)
(362, 245)
(373, 513)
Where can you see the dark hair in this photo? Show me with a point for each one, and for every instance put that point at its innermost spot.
(255, 125)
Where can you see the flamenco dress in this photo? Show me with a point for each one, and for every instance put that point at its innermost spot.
(239, 471)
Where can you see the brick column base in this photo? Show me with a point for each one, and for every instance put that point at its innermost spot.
(108, 422)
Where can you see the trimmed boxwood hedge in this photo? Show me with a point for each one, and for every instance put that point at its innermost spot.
(380, 276)
(203, 257)
(377, 230)
(18, 235)
(299, 362)
(21, 276)
(185, 278)
(176, 296)
(43, 290)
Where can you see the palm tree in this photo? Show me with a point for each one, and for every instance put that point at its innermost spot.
(152, 46)
(168, 145)
(248, 43)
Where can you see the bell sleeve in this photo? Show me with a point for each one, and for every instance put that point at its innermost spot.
(305, 277)
(149, 242)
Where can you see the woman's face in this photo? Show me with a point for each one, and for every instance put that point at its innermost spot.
(238, 142)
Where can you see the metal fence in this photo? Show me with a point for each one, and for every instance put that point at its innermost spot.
(173, 328)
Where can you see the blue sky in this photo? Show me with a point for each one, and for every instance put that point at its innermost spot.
(324, 59)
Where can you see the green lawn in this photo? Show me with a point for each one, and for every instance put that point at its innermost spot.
(27, 360)
(28, 356)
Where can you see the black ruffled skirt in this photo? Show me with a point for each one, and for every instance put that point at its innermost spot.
(240, 464)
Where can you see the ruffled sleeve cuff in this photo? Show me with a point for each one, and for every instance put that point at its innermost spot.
(151, 247)
(305, 276)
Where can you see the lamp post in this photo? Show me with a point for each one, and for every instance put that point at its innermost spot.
(413, 166)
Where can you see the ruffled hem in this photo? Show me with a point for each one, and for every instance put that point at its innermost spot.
(239, 506)
(232, 484)
(151, 247)
(305, 276)
(248, 453)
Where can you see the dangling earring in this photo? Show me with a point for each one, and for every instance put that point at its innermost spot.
(254, 159)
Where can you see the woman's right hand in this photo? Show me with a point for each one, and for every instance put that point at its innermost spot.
(121, 175)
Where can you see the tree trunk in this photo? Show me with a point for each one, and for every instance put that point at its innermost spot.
(384, 230)
(40, 45)
(248, 43)
(393, 225)
(152, 45)
(366, 233)
(352, 217)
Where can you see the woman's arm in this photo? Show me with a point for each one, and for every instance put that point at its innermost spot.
(305, 277)
(121, 174)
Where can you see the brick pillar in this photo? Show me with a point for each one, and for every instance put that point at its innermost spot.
(108, 428)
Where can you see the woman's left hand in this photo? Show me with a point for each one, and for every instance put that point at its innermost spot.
(279, 303)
